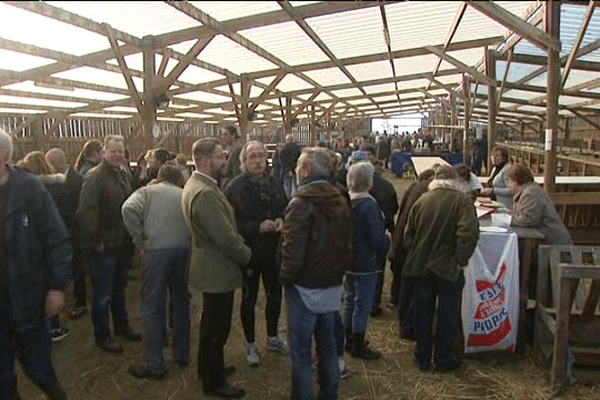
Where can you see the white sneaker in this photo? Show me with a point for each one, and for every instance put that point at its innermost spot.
(252, 358)
(278, 344)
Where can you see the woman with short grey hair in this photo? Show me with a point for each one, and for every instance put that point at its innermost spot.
(370, 241)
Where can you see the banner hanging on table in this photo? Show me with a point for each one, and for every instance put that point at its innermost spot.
(490, 307)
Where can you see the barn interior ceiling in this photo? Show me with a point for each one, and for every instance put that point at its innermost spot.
(274, 61)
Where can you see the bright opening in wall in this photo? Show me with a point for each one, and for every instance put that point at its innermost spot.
(406, 123)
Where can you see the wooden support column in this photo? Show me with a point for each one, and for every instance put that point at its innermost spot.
(552, 23)
(312, 126)
(490, 70)
(466, 90)
(453, 116)
(243, 115)
(328, 126)
(287, 120)
(148, 111)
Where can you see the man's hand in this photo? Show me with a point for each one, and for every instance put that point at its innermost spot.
(486, 192)
(266, 226)
(278, 224)
(55, 301)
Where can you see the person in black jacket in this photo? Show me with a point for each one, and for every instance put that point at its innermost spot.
(67, 206)
(259, 205)
(290, 152)
(34, 274)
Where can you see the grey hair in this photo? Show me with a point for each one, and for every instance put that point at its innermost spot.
(6, 142)
(360, 177)
(245, 149)
(318, 159)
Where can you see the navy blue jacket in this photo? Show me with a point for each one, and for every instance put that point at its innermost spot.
(38, 245)
(369, 241)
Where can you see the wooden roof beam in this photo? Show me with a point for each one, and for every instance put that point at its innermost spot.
(586, 119)
(516, 24)
(187, 59)
(58, 14)
(217, 26)
(266, 91)
(287, 7)
(304, 104)
(460, 11)
(124, 69)
(260, 20)
(580, 34)
(462, 66)
(398, 54)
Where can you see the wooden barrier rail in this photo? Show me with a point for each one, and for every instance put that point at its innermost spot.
(568, 164)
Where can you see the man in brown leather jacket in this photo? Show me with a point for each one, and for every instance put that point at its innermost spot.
(104, 191)
(316, 250)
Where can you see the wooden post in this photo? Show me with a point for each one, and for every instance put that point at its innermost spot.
(312, 123)
(453, 116)
(243, 115)
(467, 89)
(148, 112)
(490, 69)
(287, 123)
(552, 23)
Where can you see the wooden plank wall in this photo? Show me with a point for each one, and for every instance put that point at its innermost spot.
(71, 134)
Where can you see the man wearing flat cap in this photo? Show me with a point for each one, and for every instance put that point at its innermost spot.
(440, 237)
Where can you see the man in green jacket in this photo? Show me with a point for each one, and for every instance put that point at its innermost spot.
(440, 237)
(217, 258)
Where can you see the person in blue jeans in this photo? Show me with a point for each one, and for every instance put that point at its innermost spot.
(370, 241)
(154, 218)
(315, 254)
(35, 270)
(105, 188)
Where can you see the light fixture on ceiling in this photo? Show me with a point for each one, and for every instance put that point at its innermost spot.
(161, 101)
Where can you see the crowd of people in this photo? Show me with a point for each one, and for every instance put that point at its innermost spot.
(318, 226)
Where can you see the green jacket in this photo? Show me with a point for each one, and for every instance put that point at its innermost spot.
(440, 235)
(218, 252)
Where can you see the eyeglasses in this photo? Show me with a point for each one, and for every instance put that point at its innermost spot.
(254, 156)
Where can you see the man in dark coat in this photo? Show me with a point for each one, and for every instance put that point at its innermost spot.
(316, 251)
(440, 237)
(34, 273)
(104, 191)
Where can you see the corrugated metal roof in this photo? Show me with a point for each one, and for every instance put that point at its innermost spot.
(357, 32)
(351, 33)
(204, 97)
(297, 48)
(39, 102)
(138, 18)
(226, 10)
(329, 76)
(95, 75)
(227, 54)
(30, 28)
(14, 61)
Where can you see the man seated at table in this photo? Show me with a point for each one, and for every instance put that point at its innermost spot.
(533, 207)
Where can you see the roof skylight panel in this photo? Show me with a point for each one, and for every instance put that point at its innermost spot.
(351, 33)
(226, 10)
(14, 61)
(137, 18)
(297, 48)
(31, 28)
